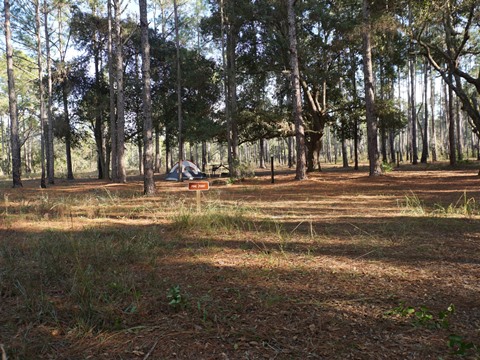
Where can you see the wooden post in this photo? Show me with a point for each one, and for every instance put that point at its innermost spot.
(198, 186)
(198, 200)
(273, 173)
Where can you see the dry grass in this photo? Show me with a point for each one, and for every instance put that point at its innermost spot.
(291, 270)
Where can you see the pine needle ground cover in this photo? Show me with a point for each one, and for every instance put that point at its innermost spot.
(339, 266)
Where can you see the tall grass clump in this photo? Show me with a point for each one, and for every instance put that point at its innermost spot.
(212, 218)
(466, 206)
(84, 281)
(413, 204)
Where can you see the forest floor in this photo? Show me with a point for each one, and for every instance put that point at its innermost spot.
(339, 266)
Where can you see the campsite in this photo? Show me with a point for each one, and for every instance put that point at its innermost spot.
(240, 180)
(339, 266)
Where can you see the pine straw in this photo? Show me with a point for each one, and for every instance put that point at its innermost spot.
(291, 270)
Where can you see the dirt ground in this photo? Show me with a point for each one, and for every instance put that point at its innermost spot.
(339, 266)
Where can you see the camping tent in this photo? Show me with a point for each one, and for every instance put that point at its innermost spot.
(190, 172)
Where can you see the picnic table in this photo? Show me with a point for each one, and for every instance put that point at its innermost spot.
(215, 168)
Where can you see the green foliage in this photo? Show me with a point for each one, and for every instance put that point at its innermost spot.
(175, 298)
(387, 167)
(459, 346)
(246, 170)
(423, 316)
(391, 117)
(401, 310)
(200, 91)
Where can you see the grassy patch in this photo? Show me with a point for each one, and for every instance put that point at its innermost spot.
(264, 271)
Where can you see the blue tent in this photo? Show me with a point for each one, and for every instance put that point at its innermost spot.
(190, 172)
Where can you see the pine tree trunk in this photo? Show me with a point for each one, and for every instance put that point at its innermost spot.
(232, 95)
(344, 151)
(121, 168)
(301, 169)
(12, 102)
(204, 156)
(228, 118)
(112, 98)
(41, 92)
(68, 134)
(373, 156)
(262, 153)
(459, 132)
(432, 111)
(49, 135)
(451, 125)
(383, 139)
(355, 124)
(100, 141)
(424, 157)
(413, 109)
(181, 155)
(158, 154)
(290, 152)
(391, 138)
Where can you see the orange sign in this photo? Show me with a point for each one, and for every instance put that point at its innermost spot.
(199, 185)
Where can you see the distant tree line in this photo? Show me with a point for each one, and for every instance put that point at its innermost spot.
(304, 81)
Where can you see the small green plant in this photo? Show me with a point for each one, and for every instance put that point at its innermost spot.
(423, 316)
(401, 310)
(443, 316)
(459, 346)
(175, 298)
(387, 167)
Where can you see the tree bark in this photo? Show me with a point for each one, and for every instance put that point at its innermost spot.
(344, 149)
(121, 168)
(68, 134)
(204, 156)
(232, 94)
(355, 97)
(262, 153)
(148, 168)
(228, 118)
(49, 137)
(158, 155)
(459, 132)
(451, 124)
(65, 83)
(12, 102)
(100, 139)
(112, 97)
(301, 169)
(424, 157)
(373, 156)
(290, 152)
(433, 136)
(179, 94)
(41, 92)
(413, 109)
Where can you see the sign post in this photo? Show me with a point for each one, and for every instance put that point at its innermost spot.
(198, 186)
